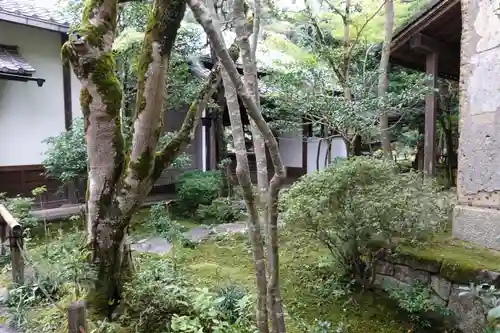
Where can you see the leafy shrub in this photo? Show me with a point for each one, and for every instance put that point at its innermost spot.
(159, 299)
(417, 302)
(66, 155)
(361, 201)
(196, 188)
(164, 226)
(221, 210)
(229, 306)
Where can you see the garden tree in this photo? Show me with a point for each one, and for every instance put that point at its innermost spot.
(383, 81)
(234, 86)
(338, 78)
(120, 175)
(335, 32)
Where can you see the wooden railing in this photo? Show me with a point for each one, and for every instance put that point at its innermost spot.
(11, 230)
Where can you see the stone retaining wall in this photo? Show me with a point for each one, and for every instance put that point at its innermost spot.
(398, 271)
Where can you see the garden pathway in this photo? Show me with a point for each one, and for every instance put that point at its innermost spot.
(160, 245)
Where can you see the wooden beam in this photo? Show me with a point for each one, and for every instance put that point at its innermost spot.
(422, 21)
(427, 44)
(431, 104)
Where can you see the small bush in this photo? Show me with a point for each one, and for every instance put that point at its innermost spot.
(197, 188)
(358, 202)
(159, 300)
(417, 302)
(231, 297)
(221, 210)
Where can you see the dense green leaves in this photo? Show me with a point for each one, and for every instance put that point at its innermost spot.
(363, 200)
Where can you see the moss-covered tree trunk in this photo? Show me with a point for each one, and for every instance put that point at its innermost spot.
(119, 177)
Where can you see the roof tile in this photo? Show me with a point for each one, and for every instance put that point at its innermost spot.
(12, 62)
(30, 10)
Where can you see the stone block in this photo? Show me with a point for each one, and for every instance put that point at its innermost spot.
(415, 263)
(489, 277)
(409, 275)
(384, 267)
(441, 286)
(468, 311)
(386, 282)
(477, 225)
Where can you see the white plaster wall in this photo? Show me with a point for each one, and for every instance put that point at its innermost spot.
(290, 145)
(338, 149)
(75, 96)
(28, 113)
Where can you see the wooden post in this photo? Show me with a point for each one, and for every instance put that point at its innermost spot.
(77, 317)
(16, 246)
(431, 104)
(3, 235)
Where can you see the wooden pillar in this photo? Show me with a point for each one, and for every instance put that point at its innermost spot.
(16, 248)
(77, 317)
(431, 104)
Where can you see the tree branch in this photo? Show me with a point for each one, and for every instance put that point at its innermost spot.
(202, 16)
(159, 39)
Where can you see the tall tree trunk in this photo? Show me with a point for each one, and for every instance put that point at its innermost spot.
(243, 175)
(118, 185)
(267, 201)
(248, 52)
(383, 81)
(213, 31)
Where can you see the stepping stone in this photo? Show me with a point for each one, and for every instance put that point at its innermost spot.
(198, 234)
(237, 227)
(153, 245)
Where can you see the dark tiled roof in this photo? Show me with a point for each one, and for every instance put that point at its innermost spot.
(12, 62)
(28, 9)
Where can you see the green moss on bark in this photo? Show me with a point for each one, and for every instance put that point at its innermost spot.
(162, 27)
(142, 167)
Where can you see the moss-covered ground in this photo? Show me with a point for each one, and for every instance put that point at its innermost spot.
(459, 261)
(305, 266)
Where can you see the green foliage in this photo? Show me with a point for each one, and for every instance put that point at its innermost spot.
(357, 202)
(66, 154)
(60, 270)
(159, 300)
(164, 225)
(319, 326)
(197, 188)
(220, 210)
(20, 207)
(417, 302)
(308, 92)
(230, 305)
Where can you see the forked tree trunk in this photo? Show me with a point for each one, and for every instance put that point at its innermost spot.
(244, 179)
(203, 16)
(383, 81)
(243, 31)
(118, 185)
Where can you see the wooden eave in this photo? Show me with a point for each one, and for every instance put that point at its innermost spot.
(437, 29)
